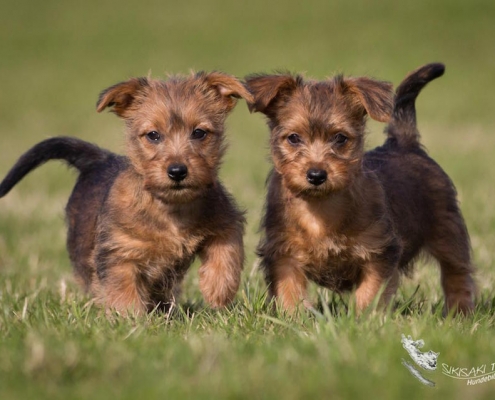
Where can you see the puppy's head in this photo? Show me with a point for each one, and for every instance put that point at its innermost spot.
(175, 129)
(317, 127)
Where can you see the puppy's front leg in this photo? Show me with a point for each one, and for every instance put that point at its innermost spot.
(220, 275)
(117, 289)
(288, 283)
(374, 278)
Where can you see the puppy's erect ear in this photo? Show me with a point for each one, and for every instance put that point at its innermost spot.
(121, 96)
(266, 89)
(377, 97)
(229, 87)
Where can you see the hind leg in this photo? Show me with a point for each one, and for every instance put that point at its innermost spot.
(450, 246)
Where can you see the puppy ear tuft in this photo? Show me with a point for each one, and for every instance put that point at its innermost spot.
(377, 97)
(229, 87)
(120, 96)
(266, 89)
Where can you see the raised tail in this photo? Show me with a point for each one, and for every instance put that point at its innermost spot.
(402, 128)
(77, 153)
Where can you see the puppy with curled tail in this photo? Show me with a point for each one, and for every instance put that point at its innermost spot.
(136, 222)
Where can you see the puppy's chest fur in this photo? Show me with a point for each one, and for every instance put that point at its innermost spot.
(154, 236)
(332, 251)
(165, 246)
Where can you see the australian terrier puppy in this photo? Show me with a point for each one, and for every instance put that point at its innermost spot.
(136, 222)
(345, 218)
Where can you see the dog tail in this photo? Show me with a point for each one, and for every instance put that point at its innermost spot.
(402, 128)
(77, 153)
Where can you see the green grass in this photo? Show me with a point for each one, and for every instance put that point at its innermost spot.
(55, 57)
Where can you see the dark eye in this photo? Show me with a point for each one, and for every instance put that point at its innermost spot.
(294, 138)
(340, 138)
(154, 137)
(198, 134)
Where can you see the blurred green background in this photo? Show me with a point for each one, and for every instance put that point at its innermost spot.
(56, 57)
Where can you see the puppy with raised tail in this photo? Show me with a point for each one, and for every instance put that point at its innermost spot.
(348, 219)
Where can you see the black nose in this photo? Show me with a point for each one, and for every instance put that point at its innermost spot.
(177, 172)
(316, 176)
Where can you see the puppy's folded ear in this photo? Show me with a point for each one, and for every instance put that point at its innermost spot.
(377, 97)
(229, 87)
(267, 89)
(121, 96)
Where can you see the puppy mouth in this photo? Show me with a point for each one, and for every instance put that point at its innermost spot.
(180, 187)
(313, 192)
(177, 193)
(175, 188)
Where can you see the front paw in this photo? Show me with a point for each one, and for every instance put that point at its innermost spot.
(218, 289)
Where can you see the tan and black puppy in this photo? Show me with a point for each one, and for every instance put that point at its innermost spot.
(137, 222)
(348, 219)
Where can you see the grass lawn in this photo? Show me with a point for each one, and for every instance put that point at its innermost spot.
(55, 58)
